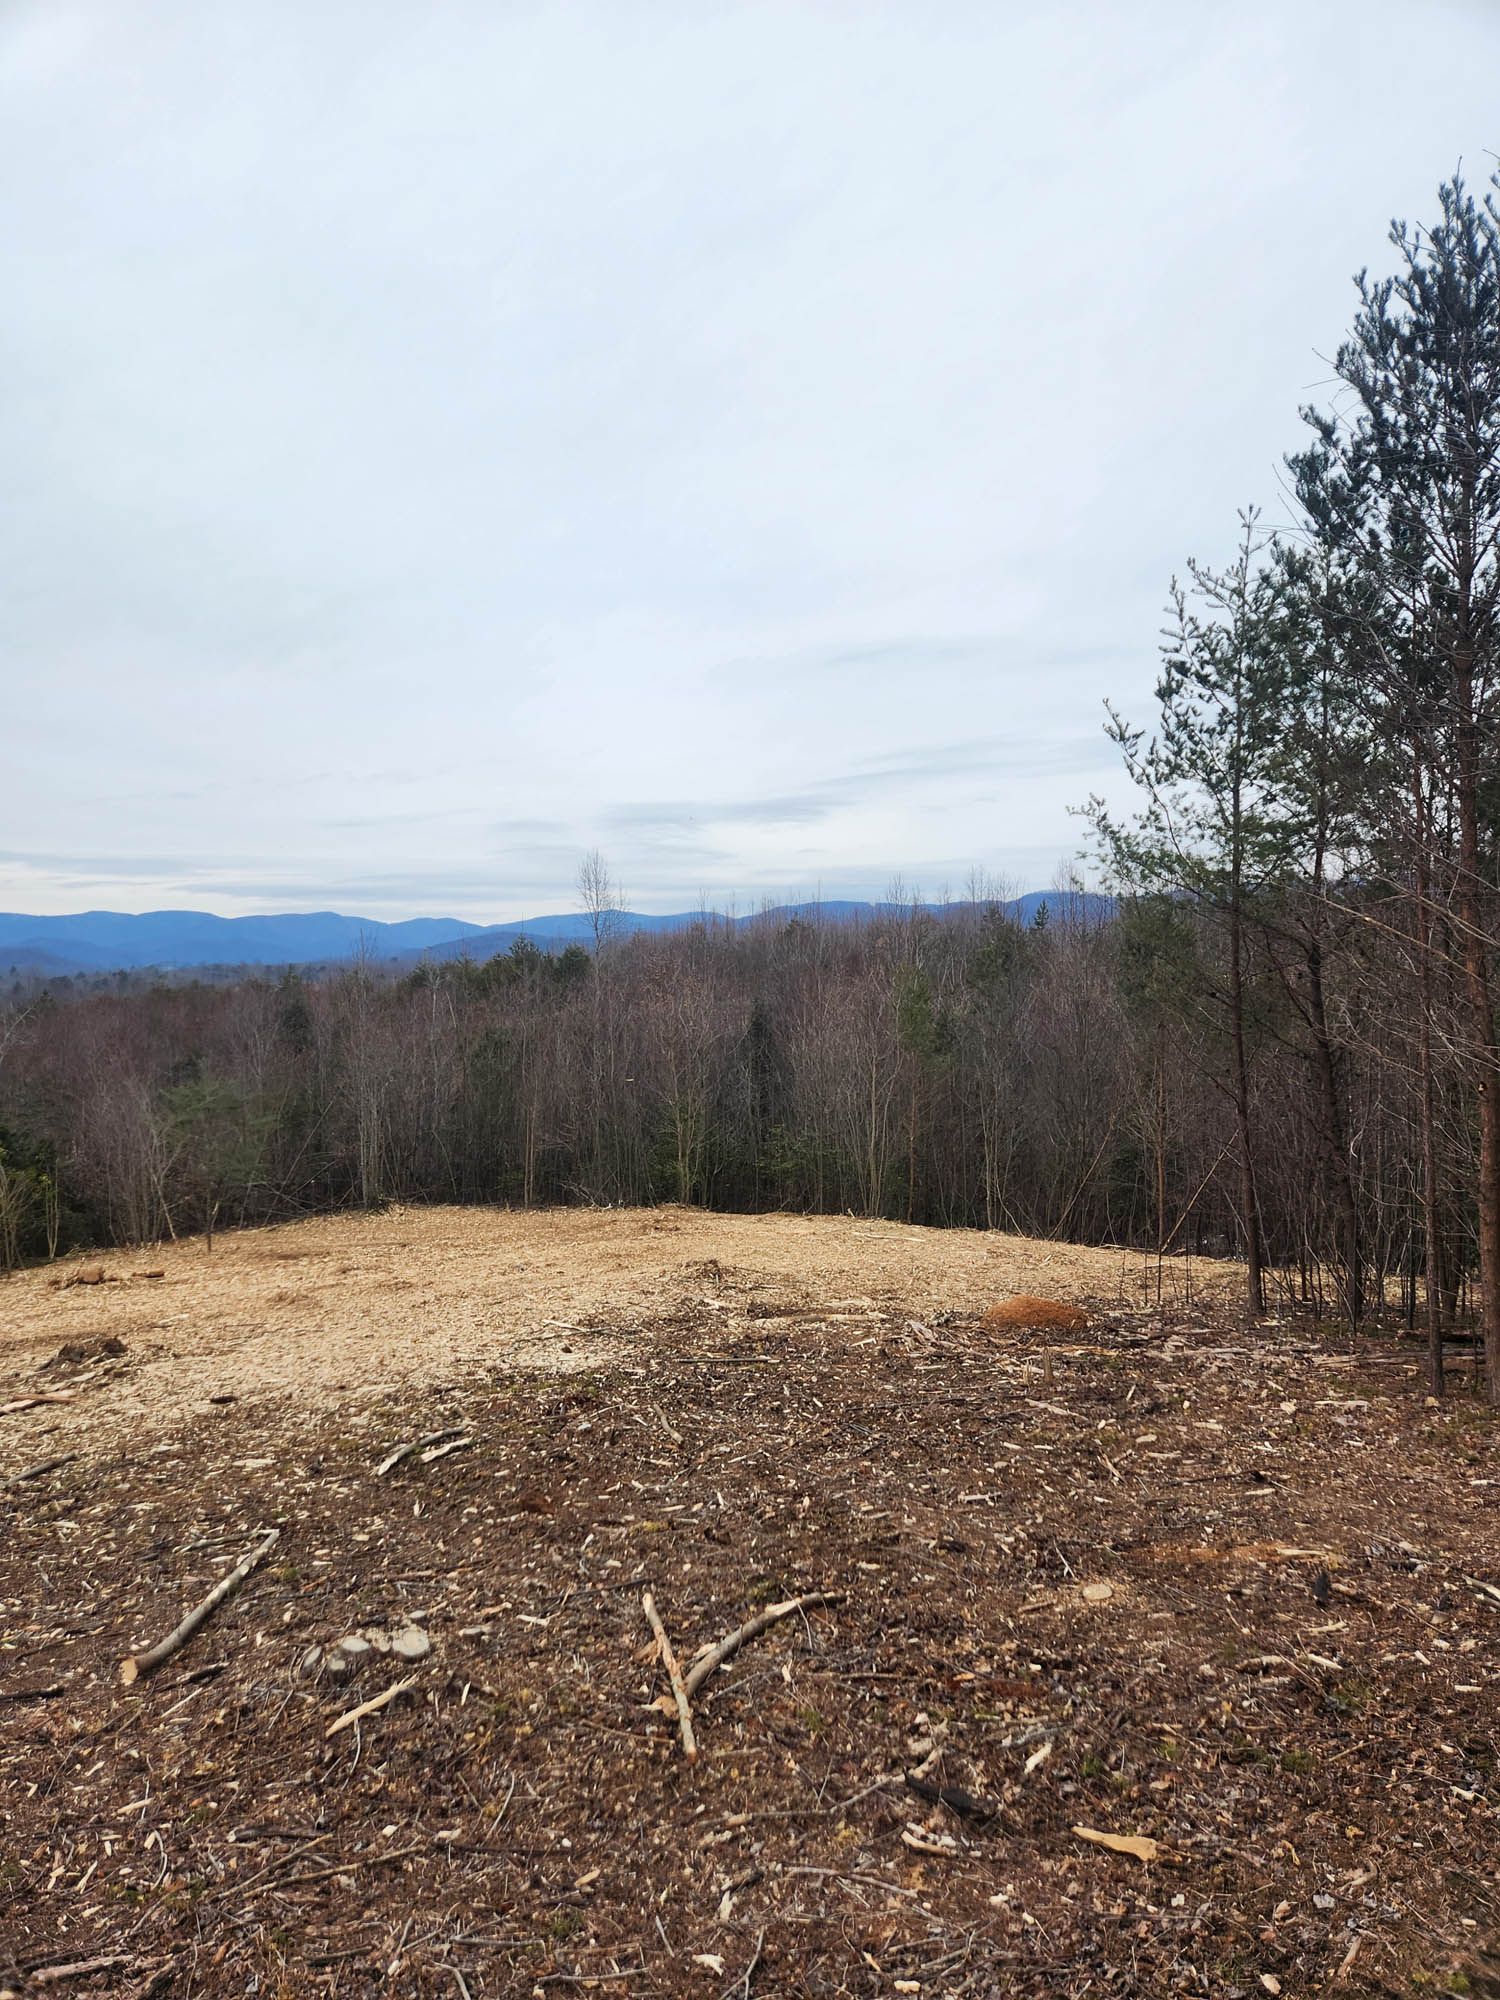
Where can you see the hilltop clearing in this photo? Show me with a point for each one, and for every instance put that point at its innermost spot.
(1219, 1595)
(344, 1309)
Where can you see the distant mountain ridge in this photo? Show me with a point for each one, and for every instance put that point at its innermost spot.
(95, 941)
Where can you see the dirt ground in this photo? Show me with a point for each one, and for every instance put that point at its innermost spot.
(1230, 1594)
(349, 1306)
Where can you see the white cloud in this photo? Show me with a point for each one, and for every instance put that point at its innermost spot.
(425, 421)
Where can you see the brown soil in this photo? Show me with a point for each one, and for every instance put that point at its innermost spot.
(1215, 1588)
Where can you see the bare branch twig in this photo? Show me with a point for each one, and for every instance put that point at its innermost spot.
(137, 1664)
(674, 1674)
(379, 1701)
(714, 1658)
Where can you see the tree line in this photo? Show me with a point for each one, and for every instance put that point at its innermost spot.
(1059, 1079)
(1284, 1044)
(1321, 780)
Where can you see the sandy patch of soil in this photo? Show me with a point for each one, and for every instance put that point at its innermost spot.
(346, 1308)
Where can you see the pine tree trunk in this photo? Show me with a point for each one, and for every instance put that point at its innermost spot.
(1249, 1211)
(1255, 1280)
(1335, 1146)
(1430, 1216)
(1486, 1049)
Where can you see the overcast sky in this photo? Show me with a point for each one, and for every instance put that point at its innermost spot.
(753, 440)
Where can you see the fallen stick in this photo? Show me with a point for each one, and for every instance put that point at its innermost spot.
(403, 1451)
(352, 1715)
(137, 1664)
(710, 1662)
(674, 1674)
(848, 1875)
(53, 1975)
(37, 1471)
(743, 1982)
(359, 1861)
(442, 1450)
(34, 1693)
(31, 1402)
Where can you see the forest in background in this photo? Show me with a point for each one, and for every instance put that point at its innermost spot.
(1283, 1045)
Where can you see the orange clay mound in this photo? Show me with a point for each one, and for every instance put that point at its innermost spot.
(1037, 1314)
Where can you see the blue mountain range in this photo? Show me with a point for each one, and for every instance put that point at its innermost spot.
(175, 940)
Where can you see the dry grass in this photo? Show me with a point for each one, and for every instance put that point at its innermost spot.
(1031, 1315)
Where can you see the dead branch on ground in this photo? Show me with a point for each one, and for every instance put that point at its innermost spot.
(674, 1675)
(350, 1716)
(404, 1451)
(710, 1661)
(136, 1664)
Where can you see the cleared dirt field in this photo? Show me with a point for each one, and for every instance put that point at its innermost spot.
(1211, 1588)
(347, 1307)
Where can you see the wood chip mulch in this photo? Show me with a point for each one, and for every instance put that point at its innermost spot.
(1212, 1591)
